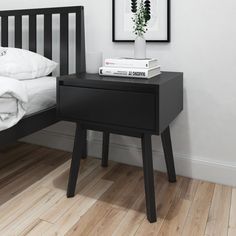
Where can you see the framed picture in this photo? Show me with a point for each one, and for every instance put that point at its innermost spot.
(158, 25)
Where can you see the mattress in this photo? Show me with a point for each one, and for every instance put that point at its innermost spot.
(42, 94)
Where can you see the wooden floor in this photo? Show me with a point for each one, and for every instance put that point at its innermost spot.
(109, 201)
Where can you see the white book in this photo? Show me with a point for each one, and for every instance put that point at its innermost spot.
(131, 63)
(130, 72)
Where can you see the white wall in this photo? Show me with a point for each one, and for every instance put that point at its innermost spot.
(203, 46)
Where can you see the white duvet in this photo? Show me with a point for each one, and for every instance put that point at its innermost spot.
(13, 100)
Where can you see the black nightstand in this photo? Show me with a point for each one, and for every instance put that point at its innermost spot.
(133, 107)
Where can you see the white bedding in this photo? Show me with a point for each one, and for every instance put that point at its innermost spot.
(41, 94)
(21, 98)
(13, 99)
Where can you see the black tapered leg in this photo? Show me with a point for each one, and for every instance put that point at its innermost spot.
(84, 154)
(167, 146)
(148, 177)
(75, 162)
(105, 148)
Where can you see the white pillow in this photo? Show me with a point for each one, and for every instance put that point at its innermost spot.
(22, 64)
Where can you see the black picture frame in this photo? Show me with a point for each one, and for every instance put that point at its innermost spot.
(168, 38)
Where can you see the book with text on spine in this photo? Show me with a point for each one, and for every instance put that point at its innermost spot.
(131, 63)
(130, 72)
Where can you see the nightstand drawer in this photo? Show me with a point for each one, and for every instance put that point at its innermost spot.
(129, 109)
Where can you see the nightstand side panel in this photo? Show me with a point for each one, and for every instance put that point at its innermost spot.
(170, 101)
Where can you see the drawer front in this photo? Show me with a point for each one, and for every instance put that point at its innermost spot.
(112, 107)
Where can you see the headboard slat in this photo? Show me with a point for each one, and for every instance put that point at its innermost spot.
(18, 31)
(33, 33)
(48, 36)
(80, 41)
(64, 55)
(4, 31)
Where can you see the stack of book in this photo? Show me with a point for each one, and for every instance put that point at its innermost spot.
(129, 67)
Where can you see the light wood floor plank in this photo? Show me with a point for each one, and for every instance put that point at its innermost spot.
(118, 210)
(31, 215)
(108, 223)
(23, 179)
(218, 218)
(24, 195)
(232, 219)
(37, 228)
(7, 175)
(174, 222)
(61, 181)
(13, 211)
(121, 195)
(197, 217)
(14, 153)
(175, 219)
(84, 186)
(130, 223)
(188, 189)
(136, 215)
(164, 199)
(69, 219)
(46, 182)
(16, 160)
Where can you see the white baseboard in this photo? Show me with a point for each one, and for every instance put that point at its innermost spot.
(216, 172)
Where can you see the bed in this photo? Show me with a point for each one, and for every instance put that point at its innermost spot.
(38, 118)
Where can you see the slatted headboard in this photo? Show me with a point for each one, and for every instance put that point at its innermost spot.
(64, 33)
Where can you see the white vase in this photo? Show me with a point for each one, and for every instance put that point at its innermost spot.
(140, 47)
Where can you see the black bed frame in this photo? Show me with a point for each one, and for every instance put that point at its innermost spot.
(45, 118)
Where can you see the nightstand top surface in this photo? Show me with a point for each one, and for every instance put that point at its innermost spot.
(157, 80)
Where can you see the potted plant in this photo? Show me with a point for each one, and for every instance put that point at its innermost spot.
(142, 14)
